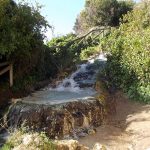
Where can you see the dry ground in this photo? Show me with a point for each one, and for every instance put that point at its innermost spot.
(129, 129)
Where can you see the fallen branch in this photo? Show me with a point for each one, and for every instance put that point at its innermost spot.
(92, 30)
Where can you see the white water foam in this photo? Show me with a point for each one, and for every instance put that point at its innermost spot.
(69, 84)
(101, 56)
(68, 90)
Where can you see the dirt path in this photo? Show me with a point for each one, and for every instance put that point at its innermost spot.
(129, 129)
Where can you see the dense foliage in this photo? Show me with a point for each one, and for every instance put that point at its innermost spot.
(66, 49)
(24, 139)
(22, 33)
(21, 38)
(21, 27)
(101, 13)
(21, 42)
(128, 65)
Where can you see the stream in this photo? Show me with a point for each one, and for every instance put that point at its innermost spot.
(79, 85)
(76, 92)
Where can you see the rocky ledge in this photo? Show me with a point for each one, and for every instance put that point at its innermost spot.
(71, 119)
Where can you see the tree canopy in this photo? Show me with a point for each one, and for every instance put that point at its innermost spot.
(21, 27)
(101, 13)
(22, 30)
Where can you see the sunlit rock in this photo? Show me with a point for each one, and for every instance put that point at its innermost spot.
(98, 146)
(70, 145)
(67, 119)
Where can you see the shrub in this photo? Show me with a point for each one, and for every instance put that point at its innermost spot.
(22, 30)
(20, 140)
(128, 65)
(66, 50)
(86, 53)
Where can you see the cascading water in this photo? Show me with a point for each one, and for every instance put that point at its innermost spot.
(72, 117)
(79, 85)
(69, 84)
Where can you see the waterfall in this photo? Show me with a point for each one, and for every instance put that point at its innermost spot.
(78, 86)
(70, 84)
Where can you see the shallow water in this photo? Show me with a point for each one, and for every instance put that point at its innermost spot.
(57, 97)
(69, 89)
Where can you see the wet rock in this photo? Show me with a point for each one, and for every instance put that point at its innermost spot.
(91, 131)
(81, 76)
(98, 146)
(86, 83)
(84, 75)
(70, 145)
(67, 84)
(82, 134)
(57, 120)
(85, 79)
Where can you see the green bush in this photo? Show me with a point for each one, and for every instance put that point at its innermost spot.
(66, 50)
(22, 30)
(28, 140)
(89, 51)
(128, 49)
(63, 52)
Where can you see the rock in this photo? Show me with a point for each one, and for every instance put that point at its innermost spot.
(82, 134)
(98, 146)
(91, 131)
(30, 141)
(84, 76)
(38, 141)
(69, 145)
(81, 147)
(67, 84)
(86, 83)
(27, 139)
(15, 100)
(57, 120)
(20, 147)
